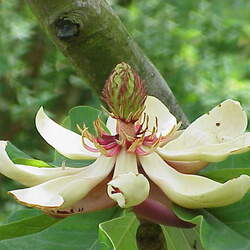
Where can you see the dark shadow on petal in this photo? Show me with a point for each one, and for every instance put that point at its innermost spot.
(96, 200)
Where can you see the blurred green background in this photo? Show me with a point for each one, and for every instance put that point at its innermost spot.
(201, 47)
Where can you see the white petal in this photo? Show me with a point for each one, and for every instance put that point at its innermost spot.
(29, 175)
(212, 137)
(193, 191)
(63, 192)
(156, 109)
(128, 189)
(187, 167)
(65, 141)
(125, 163)
(209, 153)
(111, 125)
(97, 199)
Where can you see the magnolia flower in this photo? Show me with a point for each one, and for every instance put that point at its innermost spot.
(142, 162)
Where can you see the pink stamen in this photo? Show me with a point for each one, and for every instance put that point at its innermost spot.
(139, 151)
(150, 140)
(89, 148)
(151, 137)
(110, 145)
(107, 136)
(138, 129)
(105, 139)
(115, 151)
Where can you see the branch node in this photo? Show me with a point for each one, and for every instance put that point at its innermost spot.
(66, 29)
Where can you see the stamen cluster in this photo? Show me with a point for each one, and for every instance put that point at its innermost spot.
(134, 137)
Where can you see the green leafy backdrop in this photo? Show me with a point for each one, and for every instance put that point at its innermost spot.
(202, 49)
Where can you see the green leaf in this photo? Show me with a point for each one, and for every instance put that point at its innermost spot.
(222, 228)
(59, 159)
(236, 216)
(222, 175)
(178, 238)
(32, 162)
(24, 213)
(19, 157)
(14, 152)
(83, 115)
(26, 226)
(233, 161)
(76, 232)
(232, 167)
(120, 233)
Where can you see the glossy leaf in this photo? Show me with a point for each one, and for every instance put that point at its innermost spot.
(23, 213)
(76, 232)
(223, 175)
(233, 161)
(178, 238)
(26, 226)
(83, 115)
(15, 153)
(120, 233)
(32, 162)
(222, 228)
(232, 167)
(19, 157)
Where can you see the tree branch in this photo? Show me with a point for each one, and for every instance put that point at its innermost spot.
(90, 34)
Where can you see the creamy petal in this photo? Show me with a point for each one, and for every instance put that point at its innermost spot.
(66, 142)
(157, 208)
(128, 187)
(29, 175)
(208, 153)
(187, 167)
(111, 125)
(212, 137)
(193, 191)
(63, 192)
(125, 163)
(156, 109)
(97, 199)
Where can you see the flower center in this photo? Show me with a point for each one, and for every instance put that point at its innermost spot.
(135, 137)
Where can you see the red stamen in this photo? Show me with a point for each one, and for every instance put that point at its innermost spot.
(105, 139)
(139, 151)
(110, 145)
(150, 140)
(91, 149)
(138, 129)
(116, 150)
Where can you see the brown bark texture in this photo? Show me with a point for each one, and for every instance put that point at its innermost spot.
(92, 36)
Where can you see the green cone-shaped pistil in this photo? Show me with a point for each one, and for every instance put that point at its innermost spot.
(125, 93)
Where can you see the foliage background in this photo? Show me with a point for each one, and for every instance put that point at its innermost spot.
(201, 47)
